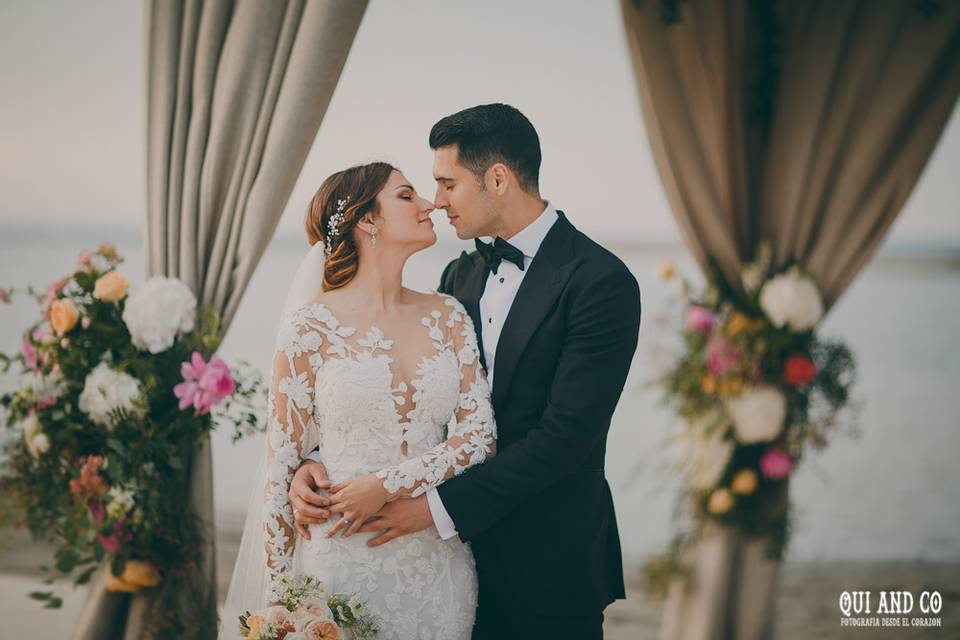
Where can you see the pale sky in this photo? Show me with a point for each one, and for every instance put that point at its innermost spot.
(72, 112)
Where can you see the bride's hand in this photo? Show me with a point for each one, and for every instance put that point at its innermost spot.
(356, 500)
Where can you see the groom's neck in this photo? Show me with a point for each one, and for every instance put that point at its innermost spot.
(518, 215)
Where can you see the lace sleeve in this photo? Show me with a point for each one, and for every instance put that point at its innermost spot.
(290, 406)
(471, 437)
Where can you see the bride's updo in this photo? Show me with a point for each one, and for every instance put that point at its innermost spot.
(358, 186)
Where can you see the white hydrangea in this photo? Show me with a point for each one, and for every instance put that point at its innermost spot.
(792, 299)
(106, 389)
(121, 501)
(157, 312)
(45, 388)
(758, 414)
(704, 456)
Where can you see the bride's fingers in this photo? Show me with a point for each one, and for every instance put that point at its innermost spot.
(338, 525)
(339, 507)
(314, 498)
(355, 527)
(338, 487)
(302, 530)
(303, 509)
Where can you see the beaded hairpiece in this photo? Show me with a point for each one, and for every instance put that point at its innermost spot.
(333, 224)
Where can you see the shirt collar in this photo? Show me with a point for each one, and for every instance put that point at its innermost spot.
(529, 239)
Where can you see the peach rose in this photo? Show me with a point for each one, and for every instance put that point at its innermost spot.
(140, 573)
(321, 629)
(720, 501)
(63, 315)
(254, 623)
(110, 287)
(117, 583)
(745, 482)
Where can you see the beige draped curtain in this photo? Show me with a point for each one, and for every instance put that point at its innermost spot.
(863, 91)
(236, 91)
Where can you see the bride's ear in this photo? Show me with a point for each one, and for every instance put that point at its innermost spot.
(365, 224)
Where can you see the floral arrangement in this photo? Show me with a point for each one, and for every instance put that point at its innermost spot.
(754, 387)
(307, 612)
(115, 392)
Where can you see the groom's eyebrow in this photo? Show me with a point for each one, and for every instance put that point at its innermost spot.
(442, 179)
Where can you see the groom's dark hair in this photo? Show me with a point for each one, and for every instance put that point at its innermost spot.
(491, 133)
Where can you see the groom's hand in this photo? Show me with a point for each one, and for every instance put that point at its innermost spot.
(308, 505)
(398, 518)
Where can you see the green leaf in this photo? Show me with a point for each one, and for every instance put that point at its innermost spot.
(54, 603)
(40, 595)
(116, 445)
(84, 577)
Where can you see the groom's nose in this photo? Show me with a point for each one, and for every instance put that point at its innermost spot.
(440, 200)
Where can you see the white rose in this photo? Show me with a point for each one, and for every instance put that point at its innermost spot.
(46, 387)
(37, 441)
(157, 312)
(106, 389)
(705, 457)
(792, 299)
(757, 414)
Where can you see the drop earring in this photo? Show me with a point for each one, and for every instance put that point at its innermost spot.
(373, 237)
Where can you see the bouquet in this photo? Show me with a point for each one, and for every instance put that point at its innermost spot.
(754, 387)
(306, 612)
(116, 389)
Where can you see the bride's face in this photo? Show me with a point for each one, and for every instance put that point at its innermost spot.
(404, 219)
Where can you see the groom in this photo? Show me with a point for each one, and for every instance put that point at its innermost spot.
(557, 318)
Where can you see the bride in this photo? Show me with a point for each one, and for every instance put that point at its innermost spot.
(387, 382)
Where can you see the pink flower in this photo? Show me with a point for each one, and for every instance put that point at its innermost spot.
(776, 464)
(118, 536)
(4, 295)
(721, 355)
(83, 259)
(55, 287)
(29, 354)
(700, 319)
(204, 383)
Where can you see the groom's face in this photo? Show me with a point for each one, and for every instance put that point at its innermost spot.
(469, 206)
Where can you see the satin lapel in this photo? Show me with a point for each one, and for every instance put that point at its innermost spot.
(547, 275)
(471, 280)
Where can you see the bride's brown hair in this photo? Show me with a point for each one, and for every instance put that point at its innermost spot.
(359, 186)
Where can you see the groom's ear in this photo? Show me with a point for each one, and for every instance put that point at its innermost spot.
(499, 176)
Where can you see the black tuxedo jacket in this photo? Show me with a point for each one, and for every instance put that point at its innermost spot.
(539, 515)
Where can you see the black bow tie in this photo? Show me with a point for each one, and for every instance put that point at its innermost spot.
(499, 250)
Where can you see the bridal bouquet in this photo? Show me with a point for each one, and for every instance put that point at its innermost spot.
(306, 612)
(115, 392)
(754, 387)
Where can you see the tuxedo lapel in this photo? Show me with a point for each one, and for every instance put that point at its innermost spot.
(548, 273)
(471, 281)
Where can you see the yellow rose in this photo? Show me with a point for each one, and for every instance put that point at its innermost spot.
(736, 324)
(745, 482)
(115, 583)
(666, 269)
(140, 573)
(110, 287)
(720, 501)
(63, 315)
(708, 384)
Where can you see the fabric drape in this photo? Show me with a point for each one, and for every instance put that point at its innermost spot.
(806, 124)
(235, 93)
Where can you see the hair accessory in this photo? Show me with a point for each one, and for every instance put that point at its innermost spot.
(333, 223)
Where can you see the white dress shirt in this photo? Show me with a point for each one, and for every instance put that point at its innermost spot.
(495, 303)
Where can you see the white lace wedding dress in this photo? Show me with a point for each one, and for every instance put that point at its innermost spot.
(342, 391)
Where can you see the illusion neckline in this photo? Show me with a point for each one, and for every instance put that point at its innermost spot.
(383, 335)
